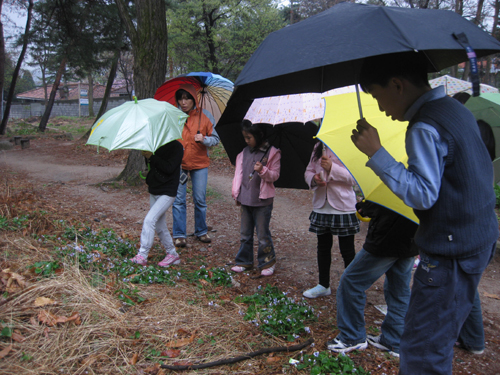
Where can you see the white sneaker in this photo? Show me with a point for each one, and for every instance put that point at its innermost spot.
(375, 341)
(338, 346)
(317, 291)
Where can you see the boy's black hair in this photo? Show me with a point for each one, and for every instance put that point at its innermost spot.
(462, 97)
(380, 69)
(257, 130)
(180, 93)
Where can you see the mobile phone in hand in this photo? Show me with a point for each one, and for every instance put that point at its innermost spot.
(184, 177)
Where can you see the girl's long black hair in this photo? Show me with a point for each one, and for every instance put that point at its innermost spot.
(258, 131)
(318, 150)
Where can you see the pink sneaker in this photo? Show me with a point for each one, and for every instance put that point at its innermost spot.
(238, 269)
(169, 260)
(139, 259)
(267, 271)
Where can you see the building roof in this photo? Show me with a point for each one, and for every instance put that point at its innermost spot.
(69, 91)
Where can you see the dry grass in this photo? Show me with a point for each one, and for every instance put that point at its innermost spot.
(109, 337)
(106, 341)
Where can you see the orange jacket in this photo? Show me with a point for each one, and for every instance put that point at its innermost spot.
(195, 154)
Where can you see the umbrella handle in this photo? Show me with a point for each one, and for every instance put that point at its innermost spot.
(198, 132)
(140, 172)
(262, 158)
(361, 218)
(359, 101)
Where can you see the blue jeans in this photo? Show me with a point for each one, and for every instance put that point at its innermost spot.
(360, 275)
(442, 297)
(258, 218)
(199, 178)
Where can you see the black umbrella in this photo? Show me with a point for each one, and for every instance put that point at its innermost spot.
(326, 51)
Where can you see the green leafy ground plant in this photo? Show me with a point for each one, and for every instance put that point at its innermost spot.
(320, 363)
(275, 313)
(105, 251)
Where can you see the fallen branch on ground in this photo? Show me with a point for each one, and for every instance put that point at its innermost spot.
(241, 358)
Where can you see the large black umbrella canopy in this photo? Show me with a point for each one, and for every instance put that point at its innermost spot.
(325, 51)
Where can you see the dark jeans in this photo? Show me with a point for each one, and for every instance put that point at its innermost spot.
(257, 218)
(325, 243)
(441, 299)
(472, 332)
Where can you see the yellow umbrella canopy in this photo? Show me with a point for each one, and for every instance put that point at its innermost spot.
(341, 115)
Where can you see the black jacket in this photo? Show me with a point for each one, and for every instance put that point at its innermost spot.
(163, 178)
(389, 233)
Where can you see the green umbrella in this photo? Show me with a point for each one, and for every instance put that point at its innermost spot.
(144, 125)
(487, 107)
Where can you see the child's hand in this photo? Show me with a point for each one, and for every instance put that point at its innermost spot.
(326, 163)
(258, 167)
(147, 154)
(365, 138)
(319, 181)
(198, 137)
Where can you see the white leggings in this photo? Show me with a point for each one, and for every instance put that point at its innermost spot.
(156, 221)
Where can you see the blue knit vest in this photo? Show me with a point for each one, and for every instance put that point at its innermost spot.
(462, 222)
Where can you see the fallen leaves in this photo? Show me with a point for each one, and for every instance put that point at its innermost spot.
(5, 351)
(134, 359)
(272, 359)
(171, 353)
(43, 301)
(50, 319)
(12, 281)
(17, 337)
(183, 341)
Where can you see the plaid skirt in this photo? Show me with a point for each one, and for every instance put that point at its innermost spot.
(337, 225)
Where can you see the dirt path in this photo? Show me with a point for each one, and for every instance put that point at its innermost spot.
(71, 177)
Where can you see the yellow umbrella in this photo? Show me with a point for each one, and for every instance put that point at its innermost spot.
(341, 115)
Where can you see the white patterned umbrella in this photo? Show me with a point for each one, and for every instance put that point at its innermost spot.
(291, 108)
(454, 85)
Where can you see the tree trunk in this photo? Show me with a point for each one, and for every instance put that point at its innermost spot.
(459, 9)
(48, 108)
(2, 60)
(477, 22)
(149, 47)
(107, 92)
(135, 164)
(91, 95)
(490, 78)
(15, 74)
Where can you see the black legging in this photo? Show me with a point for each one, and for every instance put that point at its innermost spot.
(325, 243)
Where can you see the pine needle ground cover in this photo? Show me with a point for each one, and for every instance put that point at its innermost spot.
(72, 303)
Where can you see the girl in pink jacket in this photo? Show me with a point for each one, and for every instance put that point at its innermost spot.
(334, 213)
(257, 167)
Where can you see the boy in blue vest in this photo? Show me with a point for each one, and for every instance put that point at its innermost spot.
(449, 184)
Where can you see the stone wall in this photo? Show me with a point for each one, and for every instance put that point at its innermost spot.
(60, 108)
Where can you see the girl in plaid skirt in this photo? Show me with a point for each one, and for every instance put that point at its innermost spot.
(334, 212)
